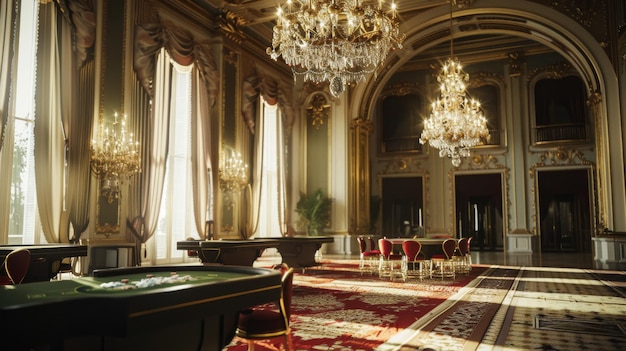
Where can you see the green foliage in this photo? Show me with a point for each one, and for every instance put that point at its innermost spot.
(314, 212)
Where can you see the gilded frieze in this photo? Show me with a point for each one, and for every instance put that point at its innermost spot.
(561, 156)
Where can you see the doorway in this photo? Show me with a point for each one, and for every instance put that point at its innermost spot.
(479, 210)
(402, 207)
(564, 211)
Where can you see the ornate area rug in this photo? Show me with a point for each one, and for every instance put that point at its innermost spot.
(336, 308)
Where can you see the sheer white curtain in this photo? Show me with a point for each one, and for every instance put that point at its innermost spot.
(202, 144)
(176, 216)
(269, 181)
(19, 222)
(156, 140)
(175, 189)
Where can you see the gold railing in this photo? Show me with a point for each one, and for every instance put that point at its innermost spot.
(560, 132)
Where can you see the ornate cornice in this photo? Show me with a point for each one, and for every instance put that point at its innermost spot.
(555, 71)
(230, 24)
(559, 157)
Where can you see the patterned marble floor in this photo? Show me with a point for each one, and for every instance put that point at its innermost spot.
(556, 303)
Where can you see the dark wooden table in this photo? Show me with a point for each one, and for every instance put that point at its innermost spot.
(299, 251)
(79, 314)
(45, 259)
(228, 252)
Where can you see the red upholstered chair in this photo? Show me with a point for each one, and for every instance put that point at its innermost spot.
(413, 263)
(368, 259)
(461, 256)
(390, 264)
(260, 324)
(372, 243)
(16, 265)
(442, 265)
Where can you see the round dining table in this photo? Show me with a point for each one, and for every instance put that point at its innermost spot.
(430, 246)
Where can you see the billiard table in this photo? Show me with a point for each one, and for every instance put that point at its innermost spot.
(296, 251)
(45, 259)
(228, 252)
(137, 308)
(299, 251)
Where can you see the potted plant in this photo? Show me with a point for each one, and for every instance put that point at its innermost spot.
(314, 212)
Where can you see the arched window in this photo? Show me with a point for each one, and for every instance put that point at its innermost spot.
(401, 122)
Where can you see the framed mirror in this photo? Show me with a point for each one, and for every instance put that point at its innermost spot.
(107, 213)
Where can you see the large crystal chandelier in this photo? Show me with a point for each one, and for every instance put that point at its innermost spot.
(233, 176)
(456, 122)
(335, 41)
(114, 157)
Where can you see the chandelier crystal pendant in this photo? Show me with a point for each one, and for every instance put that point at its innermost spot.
(335, 41)
(456, 122)
(114, 157)
(233, 177)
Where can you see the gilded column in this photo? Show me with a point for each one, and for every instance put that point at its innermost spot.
(360, 176)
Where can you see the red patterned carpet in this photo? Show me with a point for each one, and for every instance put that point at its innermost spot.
(337, 308)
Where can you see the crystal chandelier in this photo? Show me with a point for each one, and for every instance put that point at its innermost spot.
(234, 175)
(114, 157)
(339, 41)
(456, 122)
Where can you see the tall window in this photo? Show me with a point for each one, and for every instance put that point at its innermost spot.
(176, 218)
(18, 150)
(270, 216)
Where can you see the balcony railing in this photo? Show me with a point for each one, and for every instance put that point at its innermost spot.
(560, 132)
(402, 144)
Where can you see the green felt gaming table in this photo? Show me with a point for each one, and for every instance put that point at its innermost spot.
(138, 308)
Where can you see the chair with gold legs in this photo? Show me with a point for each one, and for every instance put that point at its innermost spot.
(390, 264)
(260, 324)
(413, 263)
(461, 256)
(442, 265)
(368, 259)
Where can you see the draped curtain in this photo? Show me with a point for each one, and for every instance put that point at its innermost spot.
(64, 103)
(153, 75)
(154, 156)
(49, 144)
(201, 145)
(273, 94)
(78, 80)
(7, 35)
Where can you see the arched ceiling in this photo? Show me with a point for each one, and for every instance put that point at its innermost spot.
(484, 30)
